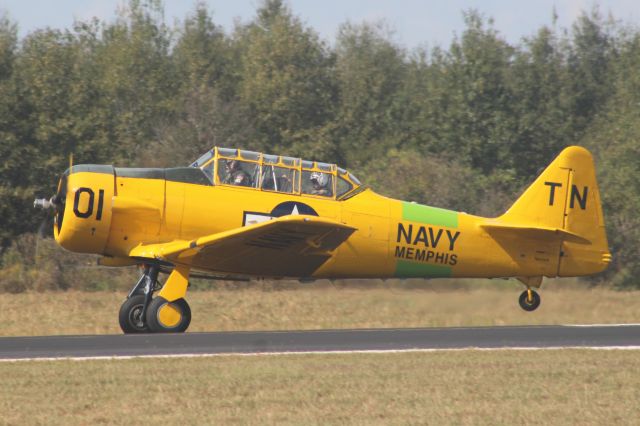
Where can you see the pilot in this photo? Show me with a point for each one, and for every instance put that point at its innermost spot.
(235, 174)
(320, 184)
(284, 183)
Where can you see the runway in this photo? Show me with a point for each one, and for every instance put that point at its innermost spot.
(264, 342)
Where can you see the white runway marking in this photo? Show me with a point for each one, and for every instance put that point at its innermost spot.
(263, 354)
(600, 325)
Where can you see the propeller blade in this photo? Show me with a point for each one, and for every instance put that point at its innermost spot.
(43, 227)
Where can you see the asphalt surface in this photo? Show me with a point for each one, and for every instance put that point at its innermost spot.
(319, 341)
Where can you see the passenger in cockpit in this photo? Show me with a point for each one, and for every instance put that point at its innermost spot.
(235, 174)
(320, 184)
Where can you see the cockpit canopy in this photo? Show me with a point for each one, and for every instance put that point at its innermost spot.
(276, 173)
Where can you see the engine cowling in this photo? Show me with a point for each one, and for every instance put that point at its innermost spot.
(83, 220)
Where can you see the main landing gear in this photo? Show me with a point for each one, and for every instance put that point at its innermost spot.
(167, 312)
(529, 299)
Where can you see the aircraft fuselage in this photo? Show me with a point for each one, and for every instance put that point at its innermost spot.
(110, 211)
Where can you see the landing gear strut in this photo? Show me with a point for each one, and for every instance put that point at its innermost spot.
(133, 310)
(168, 312)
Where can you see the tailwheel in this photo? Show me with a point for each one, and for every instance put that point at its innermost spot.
(168, 317)
(131, 315)
(529, 300)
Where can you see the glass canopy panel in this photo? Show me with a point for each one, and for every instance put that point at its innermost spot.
(354, 179)
(343, 186)
(203, 159)
(270, 159)
(208, 170)
(275, 173)
(325, 167)
(280, 179)
(250, 155)
(290, 161)
(227, 152)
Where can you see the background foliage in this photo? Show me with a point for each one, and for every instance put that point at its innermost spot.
(466, 126)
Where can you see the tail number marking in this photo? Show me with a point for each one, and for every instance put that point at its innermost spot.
(89, 210)
(576, 195)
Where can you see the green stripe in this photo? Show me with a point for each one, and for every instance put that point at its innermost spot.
(431, 215)
(406, 269)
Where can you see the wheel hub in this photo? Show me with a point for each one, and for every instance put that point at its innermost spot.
(136, 316)
(169, 316)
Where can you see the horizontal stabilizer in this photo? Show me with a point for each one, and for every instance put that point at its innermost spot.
(535, 232)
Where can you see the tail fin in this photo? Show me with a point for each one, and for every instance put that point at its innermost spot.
(565, 197)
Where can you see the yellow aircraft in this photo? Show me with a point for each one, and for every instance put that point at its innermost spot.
(242, 214)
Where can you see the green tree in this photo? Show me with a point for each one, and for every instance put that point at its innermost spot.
(203, 55)
(479, 122)
(540, 86)
(590, 58)
(135, 78)
(614, 138)
(286, 85)
(207, 112)
(14, 154)
(424, 99)
(204, 120)
(370, 70)
(37, 128)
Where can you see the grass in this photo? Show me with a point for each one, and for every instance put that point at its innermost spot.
(554, 387)
(586, 387)
(324, 305)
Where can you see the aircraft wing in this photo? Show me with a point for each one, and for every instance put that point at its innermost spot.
(289, 246)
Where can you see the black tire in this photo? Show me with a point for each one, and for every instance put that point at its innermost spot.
(529, 305)
(130, 315)
(179, 315)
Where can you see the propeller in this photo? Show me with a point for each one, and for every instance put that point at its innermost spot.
(55, 203)
(51, 205)
(53, 211)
